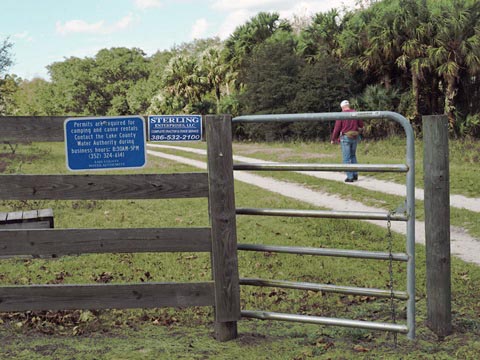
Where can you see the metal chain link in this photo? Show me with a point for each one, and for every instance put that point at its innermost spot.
(390, 271)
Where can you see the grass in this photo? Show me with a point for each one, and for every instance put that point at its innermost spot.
(187, 333)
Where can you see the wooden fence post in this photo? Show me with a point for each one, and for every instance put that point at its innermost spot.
(223, 223)
(437, 223)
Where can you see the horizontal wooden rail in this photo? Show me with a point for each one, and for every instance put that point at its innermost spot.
(102, 187)
(32, 128)
(105, 296)
(56, 242)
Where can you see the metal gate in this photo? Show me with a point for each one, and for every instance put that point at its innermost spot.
(407, 216)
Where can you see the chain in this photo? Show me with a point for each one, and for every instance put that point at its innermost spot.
(390, 271)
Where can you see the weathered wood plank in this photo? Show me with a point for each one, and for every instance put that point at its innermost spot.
(15, 216)
(223, 222)
(105, 296)
(30, 215)
(437, 224)
(45, 213)
(31, 128)
(56, 242)
(101, 187)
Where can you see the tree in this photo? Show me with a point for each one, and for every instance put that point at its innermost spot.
(5, 55)
(320, 38)
(322, 85)
(270, 76)
(35, 97)
(99, 85)
(352, 42)
(378, 97)
(381, 42)
(139, 96)
(6, 84)
(215, 71)
(183, 80)
(456, 47)
(117, 70)
(270, 83)
(246, 37)
(76, 88)
(414, 22)
(8, 89)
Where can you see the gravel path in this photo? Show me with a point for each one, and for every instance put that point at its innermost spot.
(462, 245)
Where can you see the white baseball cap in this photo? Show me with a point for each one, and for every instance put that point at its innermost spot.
(344, 103)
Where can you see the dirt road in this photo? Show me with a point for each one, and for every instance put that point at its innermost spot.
(369, 183)
(462, 244)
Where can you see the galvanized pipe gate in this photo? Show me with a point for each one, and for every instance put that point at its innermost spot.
(408, 216)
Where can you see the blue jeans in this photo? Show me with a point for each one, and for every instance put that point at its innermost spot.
(349, 150)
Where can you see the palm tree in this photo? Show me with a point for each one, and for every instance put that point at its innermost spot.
(183, 79)
(321, 36)
(413, 21)
(456, 47)
(215, 71)
(385, 41)
(246, 37)
(369, 42)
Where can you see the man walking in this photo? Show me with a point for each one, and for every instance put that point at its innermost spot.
(348, 133)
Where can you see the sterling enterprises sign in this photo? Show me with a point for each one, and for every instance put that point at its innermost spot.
(102, 143)
(174, 127)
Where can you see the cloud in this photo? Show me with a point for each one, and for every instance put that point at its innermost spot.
(79, 26)
(146, 4)
(309, 8)
(244, 5)
(199, 29)
(124, 22)
(83, 27)
(279, 5)
(23, 36)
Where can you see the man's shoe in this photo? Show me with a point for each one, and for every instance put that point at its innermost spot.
(348, 180)
(355, 177)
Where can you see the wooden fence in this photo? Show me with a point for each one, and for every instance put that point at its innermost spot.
(219, 239)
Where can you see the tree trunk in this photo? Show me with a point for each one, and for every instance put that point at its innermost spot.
(387, 81)
(434, 96)
(450, 94)
(415, 91)
(218, 95)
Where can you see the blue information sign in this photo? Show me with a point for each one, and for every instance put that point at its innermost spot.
(174, 127)
(102, 143)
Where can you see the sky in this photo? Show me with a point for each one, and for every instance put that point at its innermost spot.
(47, 31)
